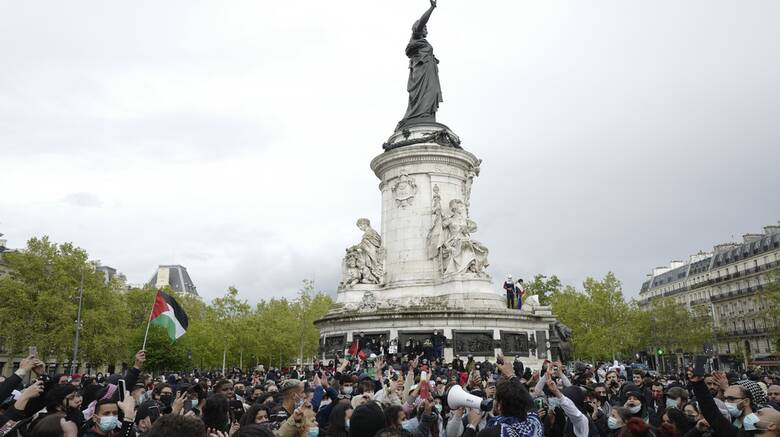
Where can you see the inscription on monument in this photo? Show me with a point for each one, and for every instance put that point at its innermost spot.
(477, 343)
(334, 344)
(514, 343)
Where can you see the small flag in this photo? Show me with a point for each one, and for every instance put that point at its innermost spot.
(168, 314)
(353, 349)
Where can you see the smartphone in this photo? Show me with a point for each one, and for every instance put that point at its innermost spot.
(122, 389)
(33, 351)
(539, 403)
(698, 367)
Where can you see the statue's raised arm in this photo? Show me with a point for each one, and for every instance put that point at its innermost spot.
(419, 26)
(423, 84)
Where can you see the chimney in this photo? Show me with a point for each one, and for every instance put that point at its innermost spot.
(750, 238)
(772, 229)
(676, 263)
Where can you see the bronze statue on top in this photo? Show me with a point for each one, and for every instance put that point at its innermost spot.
(423, 85)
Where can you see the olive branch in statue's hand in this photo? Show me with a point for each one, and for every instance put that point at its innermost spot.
(433, 3)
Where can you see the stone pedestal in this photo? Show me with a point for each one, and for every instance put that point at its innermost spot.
(433, 265)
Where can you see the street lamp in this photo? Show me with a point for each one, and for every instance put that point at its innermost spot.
(73, 364)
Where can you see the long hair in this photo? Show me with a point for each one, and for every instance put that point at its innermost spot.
(337, 426)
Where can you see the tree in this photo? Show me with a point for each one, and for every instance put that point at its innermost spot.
(673, 327)
(40, 300)
(769, 297)
(604, 326)
(543, 287)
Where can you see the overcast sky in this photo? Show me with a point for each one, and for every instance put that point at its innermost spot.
(235, 137)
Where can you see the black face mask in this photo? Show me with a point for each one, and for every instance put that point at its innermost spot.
(166, 400)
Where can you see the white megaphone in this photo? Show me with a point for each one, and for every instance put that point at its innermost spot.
(458, 397)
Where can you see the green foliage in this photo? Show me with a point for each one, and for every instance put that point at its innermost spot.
(673, 326)
(543, 287)
(605, 326)
(769, 297)
(40, 301)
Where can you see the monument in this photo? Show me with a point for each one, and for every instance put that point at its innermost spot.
(426, 270)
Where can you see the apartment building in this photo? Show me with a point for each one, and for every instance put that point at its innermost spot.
(725, 282)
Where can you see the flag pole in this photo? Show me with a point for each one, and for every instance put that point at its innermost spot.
(149, 322)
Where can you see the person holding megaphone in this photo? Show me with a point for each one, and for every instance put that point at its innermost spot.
(513, 408)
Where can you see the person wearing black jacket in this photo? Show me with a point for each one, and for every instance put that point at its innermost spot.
(768, 425)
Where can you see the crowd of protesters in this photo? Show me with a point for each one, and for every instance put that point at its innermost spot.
(392, 395)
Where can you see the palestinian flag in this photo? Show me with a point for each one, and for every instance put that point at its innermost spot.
(168, 314)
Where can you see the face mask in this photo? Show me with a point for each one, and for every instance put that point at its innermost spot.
(750, 421)
(346, 390)
(554, 403)
(314, 432)
(166, 399)
(438, 407)
(194, 403)
(408, 425)
(612, 423)
(691, 419)
(108, 423)
(734, 409)
(671, 403)
(635, 409)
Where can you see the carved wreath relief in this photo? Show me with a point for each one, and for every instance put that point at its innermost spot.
(404, 190)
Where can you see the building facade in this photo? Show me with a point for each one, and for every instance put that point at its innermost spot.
(725, 283)
(175, 277)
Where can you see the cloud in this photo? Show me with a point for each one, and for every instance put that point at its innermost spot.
(84, 200)
(235, 139)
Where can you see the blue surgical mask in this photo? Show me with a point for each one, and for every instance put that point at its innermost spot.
(733, 409)
(194, 403)
(750, 421)
(554, 403)
(313, 431)
(612, 423)
(108, 423)
(671, 403)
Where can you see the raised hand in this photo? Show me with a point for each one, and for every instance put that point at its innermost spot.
(140, 357)
(433, 3)
(475, 417)
(721, 379)
(553, 386)
(128, 407)
(33, 391)
(30, 363)
(505, 368)
(178, 404)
